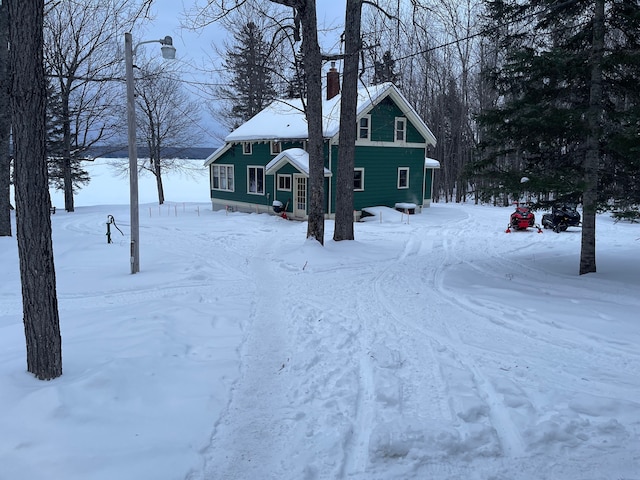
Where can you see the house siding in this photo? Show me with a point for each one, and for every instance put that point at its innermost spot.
(381, 176)
(383, 118)
(261, 155)
(286, 197)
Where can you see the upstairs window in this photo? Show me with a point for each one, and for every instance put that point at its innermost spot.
(247, 148)
(358, 179)
(403, 177)
(364, 128)
(276, 147)
(401, 127)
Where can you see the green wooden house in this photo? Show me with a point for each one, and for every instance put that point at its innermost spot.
(263, 163)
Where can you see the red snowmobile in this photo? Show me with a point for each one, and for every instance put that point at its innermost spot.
(522, 219)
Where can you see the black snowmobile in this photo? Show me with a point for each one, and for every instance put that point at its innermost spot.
(562, 216)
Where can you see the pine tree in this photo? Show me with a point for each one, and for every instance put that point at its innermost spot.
(384, 70)
(56, 149)
(568, 102)
(251, 87)
(297, 85)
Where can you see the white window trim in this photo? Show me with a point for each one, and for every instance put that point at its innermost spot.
(404, 130)
(407, 185)
(368, 137)
(244, 149)
(283, 175)
(273, 150)
(261, 167)
(226, 166)
(362, 177)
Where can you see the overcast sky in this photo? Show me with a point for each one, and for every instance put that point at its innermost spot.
(169, 13)
(193, 49)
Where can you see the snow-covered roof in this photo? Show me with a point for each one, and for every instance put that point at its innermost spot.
(285, 118)
(431, 163)
(296, 157)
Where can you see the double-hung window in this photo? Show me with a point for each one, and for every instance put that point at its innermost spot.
(222, 178)
(255, 180)
(401, 129)
(403, 177)
(247, 148)
(364, 128)
(358, 179)
(276, 147)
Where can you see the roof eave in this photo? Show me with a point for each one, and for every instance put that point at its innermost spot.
(217, 154)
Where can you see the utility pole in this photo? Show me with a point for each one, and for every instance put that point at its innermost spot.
(133, 156)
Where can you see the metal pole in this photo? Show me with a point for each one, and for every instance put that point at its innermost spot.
(133, 156)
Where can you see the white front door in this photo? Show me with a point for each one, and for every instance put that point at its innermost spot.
(299, 196)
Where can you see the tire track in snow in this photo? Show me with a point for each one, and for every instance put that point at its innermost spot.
(443, 339)
(511, 441)
(531, 332)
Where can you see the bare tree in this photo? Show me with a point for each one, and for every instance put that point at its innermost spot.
(167, 116)
(5, 126)
(80, 39)
(33, 222)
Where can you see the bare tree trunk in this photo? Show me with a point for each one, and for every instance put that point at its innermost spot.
(313, 71)
(590, 195)
(348, 106)
(66, 158)
(5, 126)
(37, 272)
(157, 168)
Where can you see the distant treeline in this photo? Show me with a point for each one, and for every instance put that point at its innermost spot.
(111, 151)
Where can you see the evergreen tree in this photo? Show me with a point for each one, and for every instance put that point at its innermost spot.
(297, 85)
(56, 149)
(384, 70)
(251, 86)
(568, 104)
(545, 83)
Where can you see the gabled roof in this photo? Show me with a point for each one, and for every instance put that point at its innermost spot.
(296, 157)
(285, 118)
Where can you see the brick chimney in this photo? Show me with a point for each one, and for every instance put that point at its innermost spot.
(333, 82)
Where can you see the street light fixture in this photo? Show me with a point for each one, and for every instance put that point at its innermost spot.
(168, 52)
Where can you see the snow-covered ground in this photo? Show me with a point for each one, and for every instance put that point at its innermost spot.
(432, 347)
